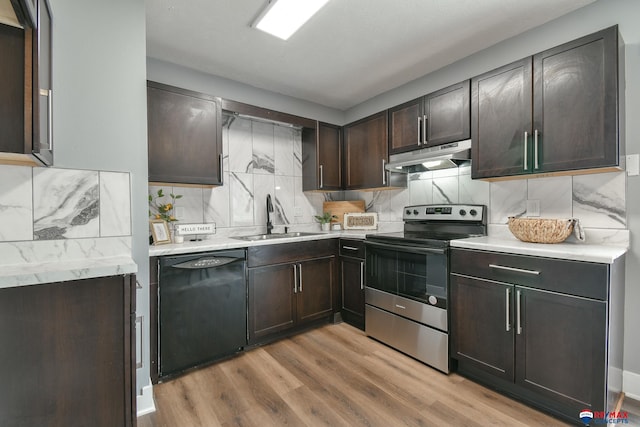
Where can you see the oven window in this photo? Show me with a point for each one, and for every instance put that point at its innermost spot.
(411, 275)
(421, 275)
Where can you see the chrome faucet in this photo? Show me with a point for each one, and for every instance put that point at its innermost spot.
(269, 210)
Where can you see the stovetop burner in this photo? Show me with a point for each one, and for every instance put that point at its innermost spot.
(436, 225)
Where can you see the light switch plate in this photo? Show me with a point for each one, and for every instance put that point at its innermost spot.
(533, 207)
(633, 165)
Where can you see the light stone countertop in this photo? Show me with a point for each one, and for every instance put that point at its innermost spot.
(62, 271)
(221, 243)
(599, 253)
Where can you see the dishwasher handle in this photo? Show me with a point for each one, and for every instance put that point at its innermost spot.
(206, 263)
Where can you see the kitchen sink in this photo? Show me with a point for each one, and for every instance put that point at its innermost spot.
(258, 237)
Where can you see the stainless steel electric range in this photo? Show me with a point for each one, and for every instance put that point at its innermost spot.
(407, 279)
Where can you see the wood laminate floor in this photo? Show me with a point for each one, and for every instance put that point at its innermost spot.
(331, 376)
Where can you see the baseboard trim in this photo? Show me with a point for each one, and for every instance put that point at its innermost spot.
(145, 401)
(631, 385)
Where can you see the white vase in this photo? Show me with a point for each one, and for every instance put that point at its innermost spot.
(326, 226)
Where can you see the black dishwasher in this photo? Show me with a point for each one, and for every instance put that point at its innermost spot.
(202, 309)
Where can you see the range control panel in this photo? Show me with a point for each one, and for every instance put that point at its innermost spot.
(444, 213)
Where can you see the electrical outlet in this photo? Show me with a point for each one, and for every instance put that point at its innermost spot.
(297, 211)
(533, 207)
(180, 211)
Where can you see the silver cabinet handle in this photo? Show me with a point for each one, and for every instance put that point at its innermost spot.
(295, 279)
(351, 248)
(300, 278)
(516, 270)
(361, 275)
(419, 130)
(518, 313)
(526, 167)
(535, 149)
(401, 306)
(384, 173)
(50, 118)
(507, 323)
(220, 160)
(321, 177)
(424, 129)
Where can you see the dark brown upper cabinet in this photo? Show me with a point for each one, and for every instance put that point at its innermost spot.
(322, 158)
(551, 113)
(185, 136)
(26, 132)
(438, 118)
(366, 154)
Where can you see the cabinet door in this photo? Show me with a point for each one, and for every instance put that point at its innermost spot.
(501, 114)
(366, 152)
(576, 104)
(561, 347)
(481, 325)
(322, 157)
(406, 126)
(315, 287)
(12, 91)
(352, 277)
(447, 115)
(42, 87)
(67, 353)
(271, 300)
(329, 157)
(185, 136)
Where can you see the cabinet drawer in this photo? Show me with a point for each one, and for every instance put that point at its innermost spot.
(578, 278)
(290, 252)
(352, 248)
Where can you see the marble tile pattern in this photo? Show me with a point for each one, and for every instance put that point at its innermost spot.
(65, 204)
(263, 158)
(115, 204)
(16, 203)
(59, 204)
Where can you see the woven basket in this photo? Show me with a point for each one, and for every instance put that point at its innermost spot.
(541, 230)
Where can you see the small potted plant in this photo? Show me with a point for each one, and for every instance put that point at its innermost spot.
(163, 211)
(325, 220)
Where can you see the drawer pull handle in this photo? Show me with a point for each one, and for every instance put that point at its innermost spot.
(519, 314)
(351, 248)
(361, 275)
(401, 306)
(507, 322)
(516, 270)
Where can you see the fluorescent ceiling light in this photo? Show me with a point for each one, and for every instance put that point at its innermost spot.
(282, 18)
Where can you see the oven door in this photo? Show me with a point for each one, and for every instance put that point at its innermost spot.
(413, 272)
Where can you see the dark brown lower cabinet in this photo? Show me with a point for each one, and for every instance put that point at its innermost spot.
(516, 326)
(291, 286)
(68, 353)
(352, 278)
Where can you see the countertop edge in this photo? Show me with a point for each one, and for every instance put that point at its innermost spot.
(598, 253)
(51, 272)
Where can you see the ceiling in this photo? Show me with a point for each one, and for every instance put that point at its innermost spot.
(350, 51)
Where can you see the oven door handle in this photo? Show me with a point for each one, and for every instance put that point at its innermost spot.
(411, 249)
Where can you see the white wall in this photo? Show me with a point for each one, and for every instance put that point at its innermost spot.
(100, 113)
(599, 15)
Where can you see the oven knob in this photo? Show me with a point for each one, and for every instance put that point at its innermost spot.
(408, 212)
(473, 212)
(463, 212)
(415, 212)
(433, 300)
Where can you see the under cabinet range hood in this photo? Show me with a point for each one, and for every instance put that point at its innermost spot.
(439, 157)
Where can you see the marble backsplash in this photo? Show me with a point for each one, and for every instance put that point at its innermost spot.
(54, 204)
(261, 158)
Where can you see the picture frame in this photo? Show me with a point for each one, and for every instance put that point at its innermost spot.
(160, 231)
